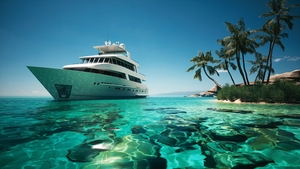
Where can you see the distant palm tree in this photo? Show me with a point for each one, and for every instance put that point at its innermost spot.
(274, 26)
(201, 62)
(239, 43)
(249, 45)
(258, 66)
(226, 59)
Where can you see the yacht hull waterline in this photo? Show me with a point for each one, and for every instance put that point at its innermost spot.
(93, 80)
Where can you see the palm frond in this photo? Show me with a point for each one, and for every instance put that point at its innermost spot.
(232, 65)
(211, 69)
(198, 74)
(278, 42)
(191, 68)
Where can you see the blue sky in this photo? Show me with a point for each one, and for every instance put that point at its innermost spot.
(161, 35)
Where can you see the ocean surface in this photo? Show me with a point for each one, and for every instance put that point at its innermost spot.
(155, 132)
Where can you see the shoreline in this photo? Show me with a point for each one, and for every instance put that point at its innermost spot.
(238, 101)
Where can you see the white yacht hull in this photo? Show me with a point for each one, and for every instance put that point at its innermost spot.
(76, 85)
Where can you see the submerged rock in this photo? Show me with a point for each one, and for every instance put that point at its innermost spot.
(231, 110)
(241, 160)
(86, 152)
(133, 150)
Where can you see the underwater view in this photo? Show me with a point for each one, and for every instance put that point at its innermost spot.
(152, 133)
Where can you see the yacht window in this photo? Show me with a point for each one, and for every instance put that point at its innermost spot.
(106, 60)
(96, 60)
(131, 68)
(134, 79)
(101, 60)
(118, 62)
(114, 61)
(91, 60)
(85, 61)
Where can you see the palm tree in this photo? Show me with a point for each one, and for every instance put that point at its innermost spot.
(239, 43)
(227, 60)
(274, 26)
(201, 62)
(258, 66)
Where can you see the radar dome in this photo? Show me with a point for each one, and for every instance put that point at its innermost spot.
(122, 46)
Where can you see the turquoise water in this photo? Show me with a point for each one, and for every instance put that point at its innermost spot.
(156, 132)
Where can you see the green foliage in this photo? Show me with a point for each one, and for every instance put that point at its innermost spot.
(279, 92)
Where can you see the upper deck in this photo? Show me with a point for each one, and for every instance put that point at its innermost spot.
(111, 49)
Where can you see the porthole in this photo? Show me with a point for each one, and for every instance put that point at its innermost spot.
(94, 83)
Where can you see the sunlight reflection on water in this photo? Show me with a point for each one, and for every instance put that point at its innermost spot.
(157, 132)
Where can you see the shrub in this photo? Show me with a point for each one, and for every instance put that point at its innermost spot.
(280, 91)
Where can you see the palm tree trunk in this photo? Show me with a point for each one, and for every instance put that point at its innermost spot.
(229, 71)
(255, 80)
(231, 77)
(269, 73)
(217, 84)
(239, 66)
(244, 67)
(269, 60)
(267, 64)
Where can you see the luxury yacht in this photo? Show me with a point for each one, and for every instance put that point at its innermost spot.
(111, 74)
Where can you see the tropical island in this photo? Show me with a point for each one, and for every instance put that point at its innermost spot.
(242, 41)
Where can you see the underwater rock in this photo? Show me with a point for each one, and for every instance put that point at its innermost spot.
(133, 151)
(165, 140)
(137, 147)
(292, 116)
(209, 161)
(231, 111)
(82, 153)
(288, 145)
(182, 127)
(269, 125)
(234, 138)
(173, 117)
(174, 112)
(241, 160)
(163, 108)
(138, 129)
(117, 163)
(283, 157)
(167, 110)
(261, 142)
(157, 163)
(86, 152)
(274, 138)
(223, 147)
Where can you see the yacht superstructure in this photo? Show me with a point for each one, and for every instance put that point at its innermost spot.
(109, 74)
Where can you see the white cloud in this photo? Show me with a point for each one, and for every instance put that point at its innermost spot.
(277, 60)
(293, 59)
(287, 58)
